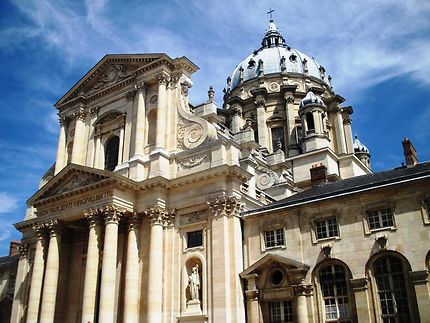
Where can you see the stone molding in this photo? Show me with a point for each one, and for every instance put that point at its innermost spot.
(225, 206)
(359, 284)
(419, 277)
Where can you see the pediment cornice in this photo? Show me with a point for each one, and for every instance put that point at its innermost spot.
(76, 179)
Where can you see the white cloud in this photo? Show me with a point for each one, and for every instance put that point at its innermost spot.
(8, 203)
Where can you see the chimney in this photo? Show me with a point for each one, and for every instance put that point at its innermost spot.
(410, 153)
(318, 174)
(13, 249)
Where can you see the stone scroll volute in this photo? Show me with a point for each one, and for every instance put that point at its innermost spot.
(192, 131)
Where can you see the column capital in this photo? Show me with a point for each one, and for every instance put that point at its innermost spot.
(23, 250)
(359, 284)
(62, 120)
(252, 294)
(160, 216)
(303, 290)
(140, 87)
(80, 114)
(133, 222)
(173, 82)
(112, 214)
(94, 111)
(225, 205)
(93, 218)
(347, 120)
(39, 229)
(236, 109)
(53, 227)
(260, 103)
(162, 78)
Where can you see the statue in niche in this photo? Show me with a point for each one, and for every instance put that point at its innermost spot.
(194, 283)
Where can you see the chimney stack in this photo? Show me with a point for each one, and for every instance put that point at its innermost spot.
(410, 153)
(318, 174)
(14, 245)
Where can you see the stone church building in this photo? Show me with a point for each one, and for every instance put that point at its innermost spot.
(264, 209)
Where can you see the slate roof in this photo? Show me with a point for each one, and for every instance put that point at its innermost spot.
(7, 260)
(350, 185)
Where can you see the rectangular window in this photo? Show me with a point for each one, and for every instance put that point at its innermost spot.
(195, 239)
(326, 228)
(427, 206)
(281, 312)
(378, 219)
(275, 238)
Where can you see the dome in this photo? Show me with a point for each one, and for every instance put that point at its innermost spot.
(359, 147)
(276, 57)
(311, 98)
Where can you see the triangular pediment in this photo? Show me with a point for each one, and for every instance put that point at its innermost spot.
(270, 260)
(116, 69)
(73, 179)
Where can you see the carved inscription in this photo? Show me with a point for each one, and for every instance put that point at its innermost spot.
(76, 203)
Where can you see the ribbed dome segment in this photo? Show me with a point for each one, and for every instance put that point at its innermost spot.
(359, 147)
(311, 98)
(276, 57)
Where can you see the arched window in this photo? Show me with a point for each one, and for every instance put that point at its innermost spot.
(111, 153)
(333, 282)
(391, 283)
(310, 122)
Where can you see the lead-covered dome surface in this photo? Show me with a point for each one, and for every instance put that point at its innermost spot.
(276, 57)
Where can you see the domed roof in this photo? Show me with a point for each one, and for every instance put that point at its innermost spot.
(276, 57)
(311, 98)
(359, 147)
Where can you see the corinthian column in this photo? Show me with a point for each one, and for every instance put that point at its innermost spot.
(131, 301)
(139, 143)
(108, 281)
(78, 141)
(92, 268)
(21, 284)
(160, 139)
(50, 283)
(157, 217)
(301, 291)
(36, 278)
(61, 150)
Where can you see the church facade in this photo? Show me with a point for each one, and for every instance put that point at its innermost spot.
(262, 210)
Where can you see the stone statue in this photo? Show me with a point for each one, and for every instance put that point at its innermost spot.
(194, 283)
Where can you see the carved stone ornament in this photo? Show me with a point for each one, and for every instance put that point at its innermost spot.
(140, 87)
(62, 121)
(153, 99)
(80, 114)
(260, 103)
(112, 214)
(194, 217)
(225, 206)
(113, 74)
(94, 111)
(264, 181)
(53, 227)
(347, 120)
(74, 183)
(192, 161)
(93, 218)
(274, 87)
(303, 290)
(162, 79)
(160, 216)
(39, 229)
(23, 250)
(289, 99)
(359, 284)
(133, 222)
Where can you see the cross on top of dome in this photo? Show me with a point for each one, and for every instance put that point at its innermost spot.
(272, 37)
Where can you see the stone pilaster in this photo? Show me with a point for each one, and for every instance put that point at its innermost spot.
(160, 139)
(61, 150)
(98, 146)
(237, 121)
(19, 298)
(92, 266)
(263, 132)
(139, 143)
(78, 152)
(50, 283)
(362, 304)
(340, 134)
(347, 123)
(37, 277)
(421, 284)
(131, 293)
(252, 299)
(226, 253)
(158, 218)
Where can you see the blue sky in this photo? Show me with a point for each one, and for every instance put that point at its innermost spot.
(378, 53)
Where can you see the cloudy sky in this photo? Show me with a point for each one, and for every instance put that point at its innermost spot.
(377, 51)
